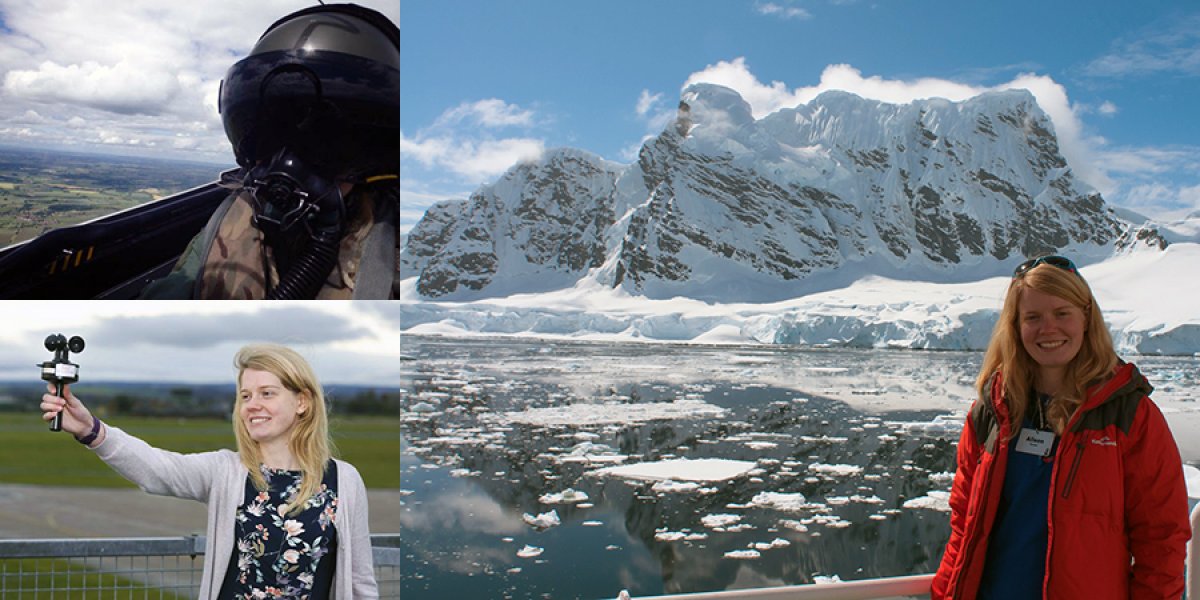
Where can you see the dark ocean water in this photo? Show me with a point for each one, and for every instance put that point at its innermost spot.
(828, 424)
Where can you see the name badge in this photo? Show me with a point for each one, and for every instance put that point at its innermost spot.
(1037, 443)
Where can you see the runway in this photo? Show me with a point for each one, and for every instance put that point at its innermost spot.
(40, 512)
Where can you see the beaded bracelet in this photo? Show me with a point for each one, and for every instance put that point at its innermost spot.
(91, 437)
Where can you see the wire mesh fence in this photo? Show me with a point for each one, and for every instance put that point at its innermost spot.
(129, 568)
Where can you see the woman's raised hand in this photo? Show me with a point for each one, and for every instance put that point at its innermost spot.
(77, 419)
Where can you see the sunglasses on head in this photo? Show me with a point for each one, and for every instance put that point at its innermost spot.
(1061, 262)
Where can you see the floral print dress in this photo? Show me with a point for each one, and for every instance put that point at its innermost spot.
(278, 555)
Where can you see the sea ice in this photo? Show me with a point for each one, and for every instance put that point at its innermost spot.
(675, 486)
(543, 520)
(936, 500)
(780, 501)
(837, 470)
(584, 414)
(530, 551)
(743, 554)
(773, 544)
(681, 469)
(567, 496)
(719, 520)
(793, 525)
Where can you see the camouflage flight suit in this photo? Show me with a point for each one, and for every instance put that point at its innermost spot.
(229, 260)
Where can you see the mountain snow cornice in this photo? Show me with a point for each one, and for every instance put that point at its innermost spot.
(724, 207)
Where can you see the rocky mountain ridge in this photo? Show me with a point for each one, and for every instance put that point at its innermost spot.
(723, 207)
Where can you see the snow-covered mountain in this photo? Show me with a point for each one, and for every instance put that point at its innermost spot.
(725, 208)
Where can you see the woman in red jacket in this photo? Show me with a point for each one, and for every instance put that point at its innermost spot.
(1069, 484)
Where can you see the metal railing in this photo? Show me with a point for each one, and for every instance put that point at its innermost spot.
(143, 568)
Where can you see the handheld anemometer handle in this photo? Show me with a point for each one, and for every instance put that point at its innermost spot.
(56, 424)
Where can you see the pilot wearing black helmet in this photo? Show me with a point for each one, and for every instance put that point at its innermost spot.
(313, 114)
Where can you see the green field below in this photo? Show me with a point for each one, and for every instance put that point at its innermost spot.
(31, 454)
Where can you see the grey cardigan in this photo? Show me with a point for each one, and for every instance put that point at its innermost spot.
(219, 480)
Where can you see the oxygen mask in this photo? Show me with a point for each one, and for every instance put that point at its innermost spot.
(301, 215)
(288, 200)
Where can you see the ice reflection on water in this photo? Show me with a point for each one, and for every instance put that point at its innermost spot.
(470, 472)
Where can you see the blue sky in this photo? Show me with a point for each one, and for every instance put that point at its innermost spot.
(485, 83)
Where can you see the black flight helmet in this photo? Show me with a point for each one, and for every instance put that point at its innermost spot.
(323, 82)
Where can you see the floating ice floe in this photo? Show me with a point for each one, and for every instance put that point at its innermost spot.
(940, 426)
(793, 525)
(583, 414)
(681, 469)
(567, 496)
(592, 523)
(773, 544)
(543, 520)
(947, 477)
(675, 487)
(936, 500)
(781, 501)
(823, 579)
(719, 520)
(743, 554)
(835, 470)
(761, 445)
(422, 407)
(589, 452)
(675, 536)
(828, 521)
(530, 551)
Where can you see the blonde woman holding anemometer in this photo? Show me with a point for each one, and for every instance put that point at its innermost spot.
(285, 519)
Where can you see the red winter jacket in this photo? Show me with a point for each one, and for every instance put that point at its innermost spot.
(1118, 512)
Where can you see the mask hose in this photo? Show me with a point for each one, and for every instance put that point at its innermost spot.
(308, 271)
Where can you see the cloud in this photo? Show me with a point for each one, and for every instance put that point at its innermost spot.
(146, 74)
(305, 325)
(352, 342)
(491, 112)
(123, 88)
(462, 141)
(476, 159)
(1162, 201)
(1172, 47)
(783, 12)
(647, 101)
(1159, 182)
(1051, 96)
(1107, 109)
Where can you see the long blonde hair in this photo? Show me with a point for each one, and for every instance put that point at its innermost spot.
(1005, 353)
(308, 439)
